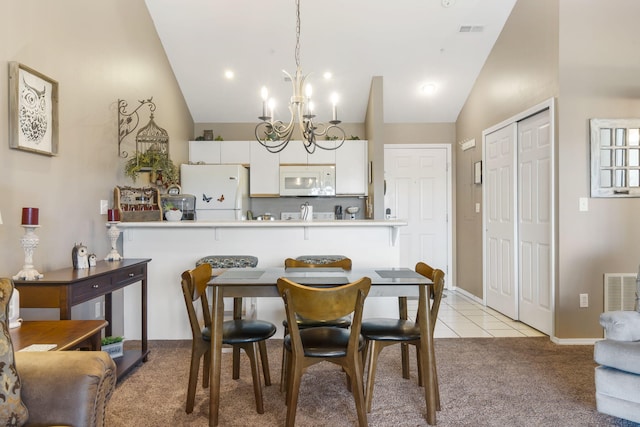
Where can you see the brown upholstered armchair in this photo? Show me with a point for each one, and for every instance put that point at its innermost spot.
(68, 388)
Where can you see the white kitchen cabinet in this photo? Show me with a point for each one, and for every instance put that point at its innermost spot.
(323, 157)
(220, 152)
(264, 172)
(295, 153)
(351, 168)
(235, 152)
(204, 152)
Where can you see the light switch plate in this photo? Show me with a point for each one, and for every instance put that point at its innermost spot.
(583, 203)
(104, 206)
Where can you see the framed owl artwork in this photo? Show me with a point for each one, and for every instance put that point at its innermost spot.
(33, 110)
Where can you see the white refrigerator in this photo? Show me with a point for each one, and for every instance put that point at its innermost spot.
(221, 191)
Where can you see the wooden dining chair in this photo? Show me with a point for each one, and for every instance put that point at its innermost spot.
(383, 332)
(324, 343)
(219, 263)
(327, 261)
(245, 334)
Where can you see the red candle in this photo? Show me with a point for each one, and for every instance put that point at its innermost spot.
(29, 216)
(113, 215)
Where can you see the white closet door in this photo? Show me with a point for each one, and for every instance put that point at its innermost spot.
(535, 221)
(500, 218)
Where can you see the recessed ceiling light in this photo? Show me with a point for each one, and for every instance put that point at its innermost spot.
(327, 75)
(229, 74)
(429, 89)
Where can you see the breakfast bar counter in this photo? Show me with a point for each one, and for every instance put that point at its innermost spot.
(176, 246)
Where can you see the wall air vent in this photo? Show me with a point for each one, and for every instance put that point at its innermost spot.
(619, 291)
(471, 29)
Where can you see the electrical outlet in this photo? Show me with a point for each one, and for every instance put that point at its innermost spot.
(98, 309)
(584, 300)
(104, 206)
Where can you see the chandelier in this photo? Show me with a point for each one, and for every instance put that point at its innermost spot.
(274, 135)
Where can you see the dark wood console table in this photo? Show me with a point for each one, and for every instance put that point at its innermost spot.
(67, 287)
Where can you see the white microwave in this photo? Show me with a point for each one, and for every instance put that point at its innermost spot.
(311, 180)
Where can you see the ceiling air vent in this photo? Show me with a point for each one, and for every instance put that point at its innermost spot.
(471, 29)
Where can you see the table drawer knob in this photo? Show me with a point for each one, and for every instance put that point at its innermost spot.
(95, 286)
(132, 274)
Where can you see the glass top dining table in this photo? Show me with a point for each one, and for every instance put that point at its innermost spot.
(262, 282)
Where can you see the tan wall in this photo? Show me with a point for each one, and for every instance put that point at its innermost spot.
(521, 72)
(420, 133)
(98, 52)
(599, 69)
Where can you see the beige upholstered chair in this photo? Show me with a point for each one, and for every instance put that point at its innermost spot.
(69, 388)
(313, 345)
(245, 334)
(380, 333)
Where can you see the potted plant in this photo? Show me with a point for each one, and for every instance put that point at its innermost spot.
(172, 213)
(114, 346)
(153, 161)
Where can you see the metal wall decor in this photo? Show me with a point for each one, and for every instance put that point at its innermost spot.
(150, 137)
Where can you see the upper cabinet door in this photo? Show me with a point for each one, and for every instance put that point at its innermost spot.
(323, 157)
(235, 152)
(264, 172)
(296, 154)
(293, 154)
(204, 152)
(351, 168)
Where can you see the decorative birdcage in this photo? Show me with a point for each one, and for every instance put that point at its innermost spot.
(152, 145)
(152, 137)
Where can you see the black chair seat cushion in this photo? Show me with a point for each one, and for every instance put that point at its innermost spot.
(324, 342)
(243, 331)
(304, 323)
(390, 330)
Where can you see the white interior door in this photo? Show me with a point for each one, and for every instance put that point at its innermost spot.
(418, 187)
(535, 221)
(500, 219)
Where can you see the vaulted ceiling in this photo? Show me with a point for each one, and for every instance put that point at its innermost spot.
(411, 44)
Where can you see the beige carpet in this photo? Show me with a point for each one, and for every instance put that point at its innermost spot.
(483, 382)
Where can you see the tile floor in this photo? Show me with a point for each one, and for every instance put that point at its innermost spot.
(462, 317)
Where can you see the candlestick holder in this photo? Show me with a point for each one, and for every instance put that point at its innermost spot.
(113, 233)
(29, 243)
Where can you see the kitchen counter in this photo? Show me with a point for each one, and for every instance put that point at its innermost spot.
(274, 223)
(176, 246)
(393, 224)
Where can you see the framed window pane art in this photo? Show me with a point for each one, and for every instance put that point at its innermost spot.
(615, 157)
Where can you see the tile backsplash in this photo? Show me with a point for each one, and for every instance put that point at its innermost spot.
(276, 205)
